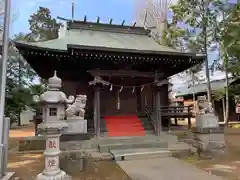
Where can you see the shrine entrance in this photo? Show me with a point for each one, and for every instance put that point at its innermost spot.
(115, 102)
(119, 99)
(121, 92)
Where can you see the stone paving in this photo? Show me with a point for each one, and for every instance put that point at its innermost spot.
(164, 169)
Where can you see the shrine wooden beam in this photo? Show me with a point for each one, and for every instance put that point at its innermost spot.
(98, 80)
(163, 82)
(122, 73)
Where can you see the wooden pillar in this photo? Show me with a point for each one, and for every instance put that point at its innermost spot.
(158, 111)
(97, 83)
(94, 112)
(139, 99)
(97, 122)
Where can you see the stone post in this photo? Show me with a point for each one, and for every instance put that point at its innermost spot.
(53, 102)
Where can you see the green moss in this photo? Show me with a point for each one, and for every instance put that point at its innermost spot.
(31, 145)
(193, 159)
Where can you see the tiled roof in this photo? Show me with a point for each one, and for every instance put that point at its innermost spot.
(103, 39)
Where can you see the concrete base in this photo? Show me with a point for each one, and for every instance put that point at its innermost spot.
(9, 175)
(60, 176)
(135, 154)
(132, 145)
(75, 136)
(212, 140)
(76, 126)
(207, 130)
(207, 121)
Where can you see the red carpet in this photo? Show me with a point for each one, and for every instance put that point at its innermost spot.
(124, 126)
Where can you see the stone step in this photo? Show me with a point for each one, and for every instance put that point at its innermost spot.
(132, 144)
(128, 138)
(181, 149)
(143, 153)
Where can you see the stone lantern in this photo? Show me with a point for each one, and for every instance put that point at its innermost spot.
(53, 103)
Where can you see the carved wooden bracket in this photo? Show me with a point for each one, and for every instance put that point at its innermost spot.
(98, 80)
(161, 83)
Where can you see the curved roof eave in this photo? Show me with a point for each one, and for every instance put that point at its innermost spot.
(35, 46)
(107, 41)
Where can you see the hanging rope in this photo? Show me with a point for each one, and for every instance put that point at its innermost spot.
(127, 86)
(135, 86)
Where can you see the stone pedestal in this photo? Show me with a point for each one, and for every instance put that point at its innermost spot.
(209, 134)
(207, 123)
(76, 126)
(52, 152)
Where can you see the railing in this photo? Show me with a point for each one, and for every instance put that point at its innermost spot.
(169, 112)
(151, 117)
(176, 111)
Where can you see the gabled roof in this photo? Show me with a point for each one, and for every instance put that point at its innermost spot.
(108, 37)
(103, 39)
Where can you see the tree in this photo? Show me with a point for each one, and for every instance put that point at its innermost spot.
(176, 37)
(229, 49)
(201, 15)
(35, 89)
(19, 87)
(42, 26)
(19, 76)
(172, 34)
(227, 40)
(231, 39)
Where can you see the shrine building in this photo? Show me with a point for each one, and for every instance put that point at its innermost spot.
(120, 68)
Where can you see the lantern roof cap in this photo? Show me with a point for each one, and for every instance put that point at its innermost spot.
(54, 82)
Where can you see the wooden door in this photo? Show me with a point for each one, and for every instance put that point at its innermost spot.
(118, 103)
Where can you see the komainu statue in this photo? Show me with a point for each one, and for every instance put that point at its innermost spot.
(77, 109)
(203, 106)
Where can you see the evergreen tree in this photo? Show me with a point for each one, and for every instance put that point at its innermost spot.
(202, 17)
(42, 26)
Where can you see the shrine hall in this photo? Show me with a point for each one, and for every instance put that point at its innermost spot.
(121, 69)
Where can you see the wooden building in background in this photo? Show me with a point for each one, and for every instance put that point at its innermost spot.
(186, 94)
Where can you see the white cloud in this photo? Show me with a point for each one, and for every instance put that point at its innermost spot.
(31, 4)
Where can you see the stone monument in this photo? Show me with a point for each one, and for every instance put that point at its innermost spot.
(75, 116)
(206, 120)
(53, 103)
(207, 127)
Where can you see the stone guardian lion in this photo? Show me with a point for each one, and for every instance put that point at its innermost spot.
(77, 109)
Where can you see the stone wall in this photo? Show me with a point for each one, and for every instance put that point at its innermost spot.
(33, 143)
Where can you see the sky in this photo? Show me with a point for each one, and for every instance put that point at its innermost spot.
(119, 10)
